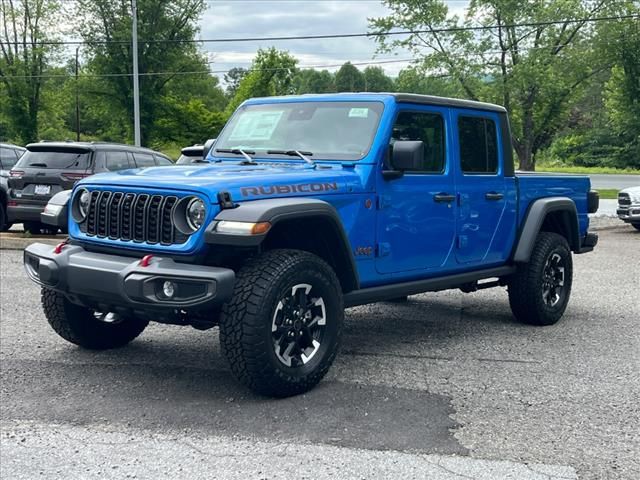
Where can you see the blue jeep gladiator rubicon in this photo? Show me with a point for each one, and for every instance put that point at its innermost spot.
(309, 205)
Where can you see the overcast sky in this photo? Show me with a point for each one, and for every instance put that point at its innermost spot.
(266, 18)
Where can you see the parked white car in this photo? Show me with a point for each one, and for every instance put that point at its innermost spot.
(629, 206)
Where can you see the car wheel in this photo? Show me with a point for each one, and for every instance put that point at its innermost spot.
(34, 228)
(636, 226)
(540, 289)
(88, 328)
(281, 330)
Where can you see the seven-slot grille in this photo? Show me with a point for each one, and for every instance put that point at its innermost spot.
(624, 199)
(140, 217)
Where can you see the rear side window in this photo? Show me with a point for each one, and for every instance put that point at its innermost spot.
(60, 160)
(425, 126)
(478, 145)
(8, 158)
(163, 161)
(116, 161)
(144, 160)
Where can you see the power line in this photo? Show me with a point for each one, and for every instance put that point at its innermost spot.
(341, 35)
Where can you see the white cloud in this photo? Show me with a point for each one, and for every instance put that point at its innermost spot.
(270, 18)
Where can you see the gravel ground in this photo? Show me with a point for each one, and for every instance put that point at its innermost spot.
(446, 385)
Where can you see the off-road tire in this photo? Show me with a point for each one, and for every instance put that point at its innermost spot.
(526, 285)
(246, 321)
(78, 325)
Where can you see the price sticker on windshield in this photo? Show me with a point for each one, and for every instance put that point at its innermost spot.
(256, 125)
(359, 113)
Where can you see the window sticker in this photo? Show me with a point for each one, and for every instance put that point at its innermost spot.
(359, 113)
(256, 125)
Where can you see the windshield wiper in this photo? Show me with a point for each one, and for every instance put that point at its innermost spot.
(294, 153)
(238, 151)
(38, 164)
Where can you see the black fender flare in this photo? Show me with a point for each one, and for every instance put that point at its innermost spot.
(276, 210)
(534, 219)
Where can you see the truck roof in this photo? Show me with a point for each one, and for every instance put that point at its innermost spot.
(398, 97)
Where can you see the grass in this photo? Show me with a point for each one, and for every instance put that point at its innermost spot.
(587, 170)
(608, 193)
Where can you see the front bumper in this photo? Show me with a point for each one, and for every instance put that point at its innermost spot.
(629, 213)
(118, 282)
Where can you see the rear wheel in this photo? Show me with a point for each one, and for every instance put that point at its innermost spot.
(539, 291)
(88, 328)
(37, 228)
(636, 226)
(4, 226)
(281, 329)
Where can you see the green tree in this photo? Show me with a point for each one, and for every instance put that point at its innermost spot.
(233, 78)
(314, 81)
(164, 29)
(414, 80)
(272, 73)
(375, 80)
(536, 70)
(349, 79)
(23, 63)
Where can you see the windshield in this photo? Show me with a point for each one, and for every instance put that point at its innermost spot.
(76, 160)
(323, 130)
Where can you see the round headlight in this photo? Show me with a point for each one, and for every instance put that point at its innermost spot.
(196, 213)
(80, 205)
(83, 203)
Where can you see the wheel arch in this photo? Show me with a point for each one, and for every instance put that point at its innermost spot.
(324, 233)
(554, 214)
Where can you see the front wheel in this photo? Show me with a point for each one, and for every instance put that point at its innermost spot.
(281, 330)
(88, 328)
(540, 289)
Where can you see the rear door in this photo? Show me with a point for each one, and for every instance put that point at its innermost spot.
(42, 172)
(144, 160)
(482, 190)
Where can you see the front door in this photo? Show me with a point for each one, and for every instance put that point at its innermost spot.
(416, 216)
(482, 190)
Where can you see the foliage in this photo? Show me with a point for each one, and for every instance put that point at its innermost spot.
(23, 63)
(537, 70)
(375, 80)
(349, 79)
(272, 73)
(314, 81)
(233, 78)
(160, 62)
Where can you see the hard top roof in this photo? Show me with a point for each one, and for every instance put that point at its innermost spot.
(398, 97)
(11, 145)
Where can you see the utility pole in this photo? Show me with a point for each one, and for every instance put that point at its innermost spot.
(136, 85)
(77, 98)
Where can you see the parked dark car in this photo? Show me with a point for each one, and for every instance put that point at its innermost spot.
(51, 167)
(9, 156)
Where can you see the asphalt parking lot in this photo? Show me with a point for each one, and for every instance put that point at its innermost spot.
(444, 386)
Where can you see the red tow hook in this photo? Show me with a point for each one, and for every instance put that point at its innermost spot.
(60, 246)
(146, 261)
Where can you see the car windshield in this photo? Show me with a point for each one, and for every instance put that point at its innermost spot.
(323, 130)
(75, 160)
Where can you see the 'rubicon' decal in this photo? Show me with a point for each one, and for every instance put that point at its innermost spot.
(284, 189)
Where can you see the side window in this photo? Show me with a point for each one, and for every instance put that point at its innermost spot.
(163, 161)
(117, 161)
(478, 145)
(428, 127)
(144, 160)
(8, 158)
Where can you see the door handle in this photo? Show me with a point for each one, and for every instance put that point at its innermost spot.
(443, 198)
(493, 196)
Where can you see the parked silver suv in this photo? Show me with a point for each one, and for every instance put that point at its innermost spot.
(629, 206)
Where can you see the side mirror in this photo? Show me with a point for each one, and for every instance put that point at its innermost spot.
(405, 155)
(208, 145)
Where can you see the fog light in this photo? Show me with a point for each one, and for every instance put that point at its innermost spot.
(169, 289)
